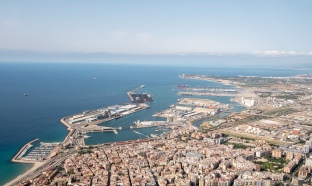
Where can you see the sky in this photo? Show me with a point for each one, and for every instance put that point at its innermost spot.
(59, 29)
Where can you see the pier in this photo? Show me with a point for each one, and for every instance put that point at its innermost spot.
(146, 124)
(103, 129)
(139, 98)
(22, 151)
(133, 91)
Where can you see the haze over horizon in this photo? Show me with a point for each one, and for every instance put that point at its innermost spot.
(174, 31)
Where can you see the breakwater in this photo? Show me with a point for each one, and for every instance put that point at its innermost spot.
(22, 151)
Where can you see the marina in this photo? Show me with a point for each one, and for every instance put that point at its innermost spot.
(40, 153)
(22, 151)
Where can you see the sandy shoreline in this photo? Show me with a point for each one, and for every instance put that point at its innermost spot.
(35, 164)
(33, 168)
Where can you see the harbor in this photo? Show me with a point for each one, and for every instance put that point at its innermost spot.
(180, 115)
(81, 124)
(87, 121)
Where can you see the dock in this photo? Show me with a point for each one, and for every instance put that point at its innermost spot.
(40, 153)
(133, 91)
(146, 124)
(96, 128)
(200, 93)
(139, 98)
(106, 129)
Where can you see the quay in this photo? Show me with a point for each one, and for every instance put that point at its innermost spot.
(22, 151)
(191, 93)
(103, 129)
(146, 124)
(125, 142)
(207, 91)
(139, 98)
(101, 115)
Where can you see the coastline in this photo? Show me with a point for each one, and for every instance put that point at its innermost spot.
(35, 166)
(224, 82)
(71, 131)
(68, 128)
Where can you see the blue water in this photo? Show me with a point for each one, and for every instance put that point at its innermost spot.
(58, 90)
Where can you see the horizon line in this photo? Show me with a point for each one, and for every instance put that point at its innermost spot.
(264, 53)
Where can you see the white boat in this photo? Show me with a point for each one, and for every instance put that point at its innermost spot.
(85, 136)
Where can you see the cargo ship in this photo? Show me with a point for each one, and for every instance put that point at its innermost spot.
(140, 98)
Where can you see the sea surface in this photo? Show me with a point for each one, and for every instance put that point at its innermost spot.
(58, 90)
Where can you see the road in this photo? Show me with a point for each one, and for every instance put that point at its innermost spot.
(52, 162)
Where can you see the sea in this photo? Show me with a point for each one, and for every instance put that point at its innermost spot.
(55, 90)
